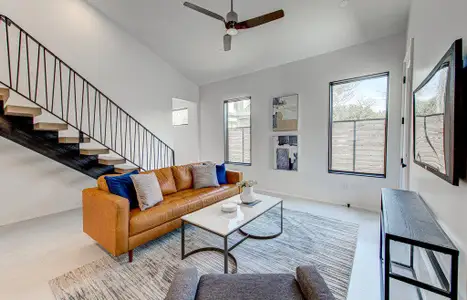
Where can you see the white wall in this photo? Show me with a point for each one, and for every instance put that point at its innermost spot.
(126, 71)
(186, 137)
(434, 25)
(310, 79)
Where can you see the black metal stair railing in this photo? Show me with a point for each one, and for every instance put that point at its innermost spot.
(57, 88)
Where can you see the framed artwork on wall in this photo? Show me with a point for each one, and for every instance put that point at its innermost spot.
(285, 152)
(285, 113)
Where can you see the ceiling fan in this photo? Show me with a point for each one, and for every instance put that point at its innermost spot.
(232, 25)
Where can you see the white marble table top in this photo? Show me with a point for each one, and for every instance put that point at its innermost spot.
(213, 219)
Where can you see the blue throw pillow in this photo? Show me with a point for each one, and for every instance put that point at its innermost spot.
(221, 174)
(123, 186)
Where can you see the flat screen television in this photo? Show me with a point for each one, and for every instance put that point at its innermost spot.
(439, 118)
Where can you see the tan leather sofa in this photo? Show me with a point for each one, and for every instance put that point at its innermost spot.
(107, 218)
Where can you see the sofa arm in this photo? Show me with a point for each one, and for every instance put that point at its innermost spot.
(312, 284)
(234, 176)
(106, 219)
(184, 285)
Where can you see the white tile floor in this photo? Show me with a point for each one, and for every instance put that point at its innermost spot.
(35, 251)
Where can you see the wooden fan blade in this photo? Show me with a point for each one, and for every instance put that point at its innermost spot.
(227, 42)
(258, 21)
(204, 11)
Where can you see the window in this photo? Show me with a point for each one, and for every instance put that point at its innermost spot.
(180, 117)
(237, 127)
(358, 125)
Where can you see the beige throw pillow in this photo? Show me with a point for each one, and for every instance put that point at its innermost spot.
(204, 176)
(148, 190)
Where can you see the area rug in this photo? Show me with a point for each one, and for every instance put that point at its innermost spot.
(326, 243)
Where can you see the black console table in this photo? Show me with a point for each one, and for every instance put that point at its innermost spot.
(405, 218)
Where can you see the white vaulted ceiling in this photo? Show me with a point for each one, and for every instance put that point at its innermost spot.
(192, 42)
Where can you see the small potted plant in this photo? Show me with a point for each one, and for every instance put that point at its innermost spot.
(247, 195)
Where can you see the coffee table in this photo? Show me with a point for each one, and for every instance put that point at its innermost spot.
(214, 220)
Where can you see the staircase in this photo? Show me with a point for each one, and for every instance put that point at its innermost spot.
(50, 108)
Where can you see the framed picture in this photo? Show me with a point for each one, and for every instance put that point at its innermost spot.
(285, 113)
(286, 152)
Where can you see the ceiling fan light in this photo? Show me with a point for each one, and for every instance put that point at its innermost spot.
(232, 31)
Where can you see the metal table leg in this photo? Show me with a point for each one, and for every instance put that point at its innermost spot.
(268, 237)
(226, 255)
(183, 240)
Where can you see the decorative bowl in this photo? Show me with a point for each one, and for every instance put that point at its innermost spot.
(229, 207)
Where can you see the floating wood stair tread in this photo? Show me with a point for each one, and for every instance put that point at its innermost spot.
(122, 169)
(50, 126)
(93, 151)
(4, 94)
(73, 140)
(22, 111)
(111, 161)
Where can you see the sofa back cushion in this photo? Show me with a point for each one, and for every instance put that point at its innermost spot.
(183, 177)
(166, 180)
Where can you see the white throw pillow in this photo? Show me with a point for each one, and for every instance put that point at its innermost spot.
(148, 190)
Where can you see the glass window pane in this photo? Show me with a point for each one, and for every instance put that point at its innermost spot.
(358, 129)
(238, 131)
(180, 117)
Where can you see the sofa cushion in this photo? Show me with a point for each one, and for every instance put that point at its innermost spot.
(221, 174)
(210, 195)
(183, 177)
(166, 180)
(176, 205)
(204, 176)
(248, 287)
(147, 189)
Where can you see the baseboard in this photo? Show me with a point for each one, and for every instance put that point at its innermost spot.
(281, 194)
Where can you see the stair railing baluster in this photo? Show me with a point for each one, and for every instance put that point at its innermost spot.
(150, 152)
(53, 84)
(100, 115)
(88, 109)
(111, 127)
(27, 62)
(134, 144)
(105, 122)
(121, 132)
(126, 131)
(61, 87)
(19, 59)
(45, 81)
(139, 145)
(74, 94)
(7, 36)
(159, 155)
(68, 97)
(82, 108)
(95, 110)
(37, 71)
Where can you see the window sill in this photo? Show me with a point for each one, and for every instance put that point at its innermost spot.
(238, 163)
(382, 176)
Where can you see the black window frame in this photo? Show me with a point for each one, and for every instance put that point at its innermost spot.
(344, 81)
(226, 132)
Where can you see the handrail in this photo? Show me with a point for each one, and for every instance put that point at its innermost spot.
(155, 155)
